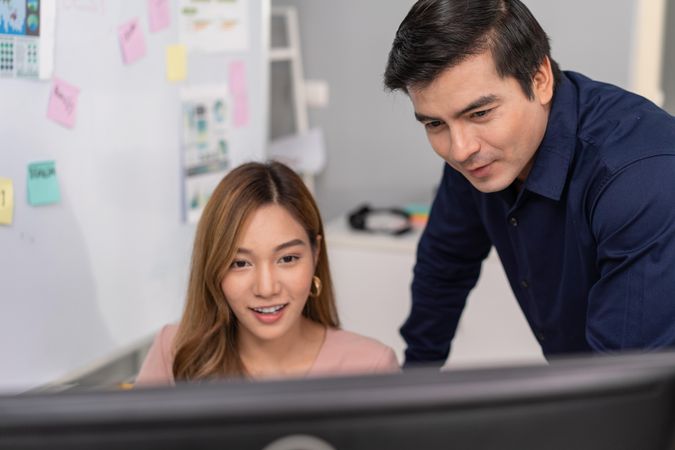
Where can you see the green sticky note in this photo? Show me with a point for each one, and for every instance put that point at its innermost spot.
(43, 186)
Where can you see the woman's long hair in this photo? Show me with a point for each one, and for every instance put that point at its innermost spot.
(206, 342)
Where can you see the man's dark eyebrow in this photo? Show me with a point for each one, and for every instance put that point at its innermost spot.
(291, 243)
(423, 118)
(476, 104)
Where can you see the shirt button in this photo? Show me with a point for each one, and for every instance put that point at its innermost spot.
(540, 336)
(514, 221)
(525, 284)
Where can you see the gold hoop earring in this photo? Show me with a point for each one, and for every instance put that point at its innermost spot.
(315, 290)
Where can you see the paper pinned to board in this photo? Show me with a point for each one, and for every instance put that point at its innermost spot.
(159, 15)
(240, 110)
(27, 38)
(303, 152)
(237, 77)
(43, 186)
(214, 26)
(205, 144)
(62, 106)
(176, 62)
(6, 201)
(132, 41)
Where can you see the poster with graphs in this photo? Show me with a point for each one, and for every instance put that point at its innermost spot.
(27, 38)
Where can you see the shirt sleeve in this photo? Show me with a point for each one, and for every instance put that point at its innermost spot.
(632, 305)
(157, 366)
(449, 257)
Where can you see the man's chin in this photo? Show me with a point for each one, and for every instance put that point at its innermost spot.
(489, 185)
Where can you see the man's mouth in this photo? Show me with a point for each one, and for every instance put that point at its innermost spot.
(480, 171)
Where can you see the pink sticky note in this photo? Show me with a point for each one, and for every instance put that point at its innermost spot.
(132, 41)
(63, 103)
(240, 110)
(238, 77)
(159, 14)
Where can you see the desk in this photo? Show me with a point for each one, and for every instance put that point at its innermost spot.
(372, 275)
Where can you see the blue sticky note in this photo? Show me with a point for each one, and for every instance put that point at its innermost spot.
(43, 186)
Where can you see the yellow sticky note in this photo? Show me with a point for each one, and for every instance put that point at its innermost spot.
(6, 201)
(176, 62)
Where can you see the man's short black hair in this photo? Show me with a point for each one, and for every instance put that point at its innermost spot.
(439, 34)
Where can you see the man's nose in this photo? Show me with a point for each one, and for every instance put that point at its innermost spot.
(463, 144)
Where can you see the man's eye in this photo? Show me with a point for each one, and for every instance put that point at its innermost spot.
(433, 124)
(481, 114)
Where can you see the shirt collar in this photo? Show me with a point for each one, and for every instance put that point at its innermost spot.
(552, 160)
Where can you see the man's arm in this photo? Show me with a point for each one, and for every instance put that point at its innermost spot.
(632, 306)
(449, 256)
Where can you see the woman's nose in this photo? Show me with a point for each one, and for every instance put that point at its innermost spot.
(266, 283)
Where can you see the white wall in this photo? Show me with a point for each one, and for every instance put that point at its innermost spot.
(593, 37)
(108, 265)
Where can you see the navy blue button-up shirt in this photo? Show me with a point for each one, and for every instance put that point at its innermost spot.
(587, 243)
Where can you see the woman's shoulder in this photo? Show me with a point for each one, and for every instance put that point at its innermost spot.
(349, 339)
(164, 340)
(167, 334)
(158, 363)
(347, 352)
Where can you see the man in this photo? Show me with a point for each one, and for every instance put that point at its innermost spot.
(572, 181)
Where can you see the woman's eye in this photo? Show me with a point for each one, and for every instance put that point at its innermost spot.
(239, 264)
(288, 259)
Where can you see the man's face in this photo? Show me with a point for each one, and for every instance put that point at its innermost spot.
(483, 125)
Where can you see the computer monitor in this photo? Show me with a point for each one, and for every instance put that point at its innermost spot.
(620, 402)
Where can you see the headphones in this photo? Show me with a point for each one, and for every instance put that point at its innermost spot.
(393, 221)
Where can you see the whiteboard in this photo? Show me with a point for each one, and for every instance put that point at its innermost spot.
(108, 265)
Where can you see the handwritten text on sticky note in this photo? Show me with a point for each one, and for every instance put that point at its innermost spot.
(176, 62)
(6, 201)
(132, 41)
(63, 103)
(159, 14)
(43, 186)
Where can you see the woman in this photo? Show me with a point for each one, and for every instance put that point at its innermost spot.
(260, 298)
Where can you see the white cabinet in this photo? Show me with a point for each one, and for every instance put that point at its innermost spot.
(372, 276)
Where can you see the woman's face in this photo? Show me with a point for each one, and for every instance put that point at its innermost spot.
(268, 283)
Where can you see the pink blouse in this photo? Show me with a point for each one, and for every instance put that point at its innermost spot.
(342, 353)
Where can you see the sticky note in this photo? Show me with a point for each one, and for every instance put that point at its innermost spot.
(132, 41)
(159, 14)
(6, 201)
(43, 186)
(63, 103)
(176, 62)
(240, 112)
(237, 77)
